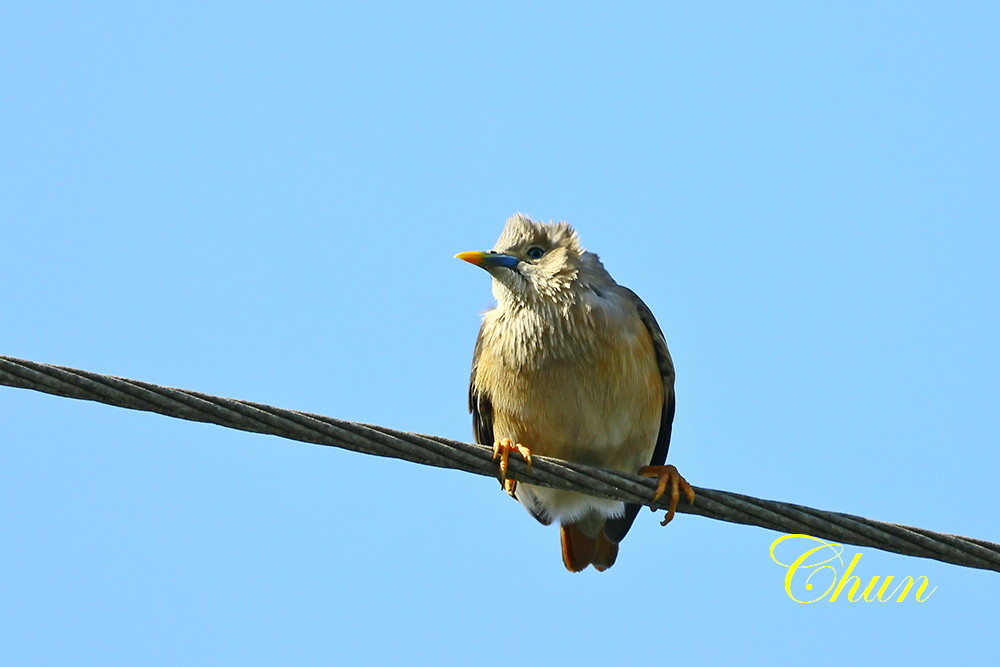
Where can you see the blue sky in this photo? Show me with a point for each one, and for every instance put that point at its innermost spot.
(263, 202)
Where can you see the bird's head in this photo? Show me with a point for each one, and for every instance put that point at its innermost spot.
(535, 262)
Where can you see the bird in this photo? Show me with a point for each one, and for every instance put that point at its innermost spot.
(571, 365)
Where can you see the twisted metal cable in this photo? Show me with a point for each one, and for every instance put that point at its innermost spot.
(478, 459)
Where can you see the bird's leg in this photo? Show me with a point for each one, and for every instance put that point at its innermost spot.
(668, 475)
(502, 449)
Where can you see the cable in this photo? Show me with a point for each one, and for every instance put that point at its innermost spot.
(478, 459)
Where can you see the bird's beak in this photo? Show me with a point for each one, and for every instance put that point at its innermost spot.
(489, 260)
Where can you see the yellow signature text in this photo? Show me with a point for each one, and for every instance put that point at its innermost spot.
(821, 563)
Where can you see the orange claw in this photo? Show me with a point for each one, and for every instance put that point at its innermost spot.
(502, 449)
(669, 475)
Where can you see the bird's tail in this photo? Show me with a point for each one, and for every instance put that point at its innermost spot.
(579, 550)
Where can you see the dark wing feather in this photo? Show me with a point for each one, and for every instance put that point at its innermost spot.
(616, 529)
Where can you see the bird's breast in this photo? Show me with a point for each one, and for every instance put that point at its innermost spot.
(596, 401)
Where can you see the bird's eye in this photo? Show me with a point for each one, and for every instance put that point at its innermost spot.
(534, 252)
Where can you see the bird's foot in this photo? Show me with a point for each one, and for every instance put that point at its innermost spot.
(668, 476)
(502, 449)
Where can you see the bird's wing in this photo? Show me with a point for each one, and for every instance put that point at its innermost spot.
(616, 529)
(479, 401)
(666, 366)
(481, 407)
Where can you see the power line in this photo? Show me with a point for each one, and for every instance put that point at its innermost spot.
(478, 459)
